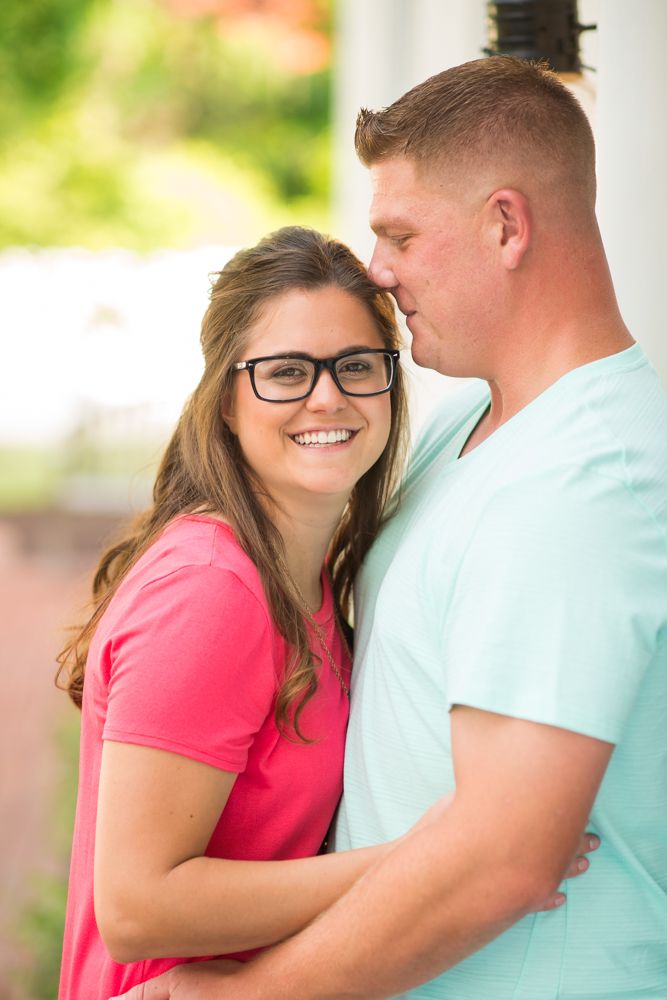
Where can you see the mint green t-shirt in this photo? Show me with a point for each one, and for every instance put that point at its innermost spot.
(529, 578)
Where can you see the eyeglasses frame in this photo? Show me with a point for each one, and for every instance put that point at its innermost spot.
(320, 365)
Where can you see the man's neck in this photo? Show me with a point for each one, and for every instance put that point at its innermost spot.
(561, 313)
(520, 382)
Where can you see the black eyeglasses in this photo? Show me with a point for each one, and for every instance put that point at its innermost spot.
(285, 378)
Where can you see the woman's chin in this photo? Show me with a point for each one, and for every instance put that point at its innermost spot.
(323, 487)
(328, 488)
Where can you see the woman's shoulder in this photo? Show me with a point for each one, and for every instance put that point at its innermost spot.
(201, 549)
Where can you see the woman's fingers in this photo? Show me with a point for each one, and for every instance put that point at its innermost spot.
(552, 904)
(589, 842)
(155, 989)
(192, 981)
(578, 867)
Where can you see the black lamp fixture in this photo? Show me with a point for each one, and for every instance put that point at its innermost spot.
(537, 29)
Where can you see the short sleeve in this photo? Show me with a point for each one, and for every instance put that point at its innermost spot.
(558, 604)
(191, 667)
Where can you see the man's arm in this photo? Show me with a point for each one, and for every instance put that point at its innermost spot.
(524, 794)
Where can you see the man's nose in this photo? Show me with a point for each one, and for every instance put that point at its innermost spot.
(380, 272)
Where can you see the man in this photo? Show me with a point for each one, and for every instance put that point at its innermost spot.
(512, 617)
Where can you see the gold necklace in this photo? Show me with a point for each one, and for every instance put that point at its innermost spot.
(318, 630)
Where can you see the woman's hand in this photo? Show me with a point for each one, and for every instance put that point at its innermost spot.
(195, 979)
(589, 842)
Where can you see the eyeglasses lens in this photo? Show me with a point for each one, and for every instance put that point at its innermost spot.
(289, 378)
(363, 374)
(283, 378)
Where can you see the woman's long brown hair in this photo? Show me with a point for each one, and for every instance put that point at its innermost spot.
(203, 469)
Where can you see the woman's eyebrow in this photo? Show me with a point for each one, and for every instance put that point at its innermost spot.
(353, 349)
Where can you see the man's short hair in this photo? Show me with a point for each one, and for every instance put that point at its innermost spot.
(490, 111)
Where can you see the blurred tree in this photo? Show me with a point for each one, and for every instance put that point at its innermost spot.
(40, 931)
(216, 80)
(39, 54)
(100, 99)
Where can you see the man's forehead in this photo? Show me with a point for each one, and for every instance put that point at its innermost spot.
(401, 198)
(393, 175)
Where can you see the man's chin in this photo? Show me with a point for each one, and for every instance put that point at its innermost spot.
(422, 353)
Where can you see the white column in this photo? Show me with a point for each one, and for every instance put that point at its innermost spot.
(632, 164)
(384, 47)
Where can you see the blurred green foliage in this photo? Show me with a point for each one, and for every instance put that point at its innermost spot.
(111, 109)
(43, 924)
(29, 477)
(38, 56)
(34, 477)
(199, 83)
(42, 933)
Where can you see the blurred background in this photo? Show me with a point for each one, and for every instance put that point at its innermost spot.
(141, 143)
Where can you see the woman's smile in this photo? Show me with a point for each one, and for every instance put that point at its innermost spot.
(323, 438)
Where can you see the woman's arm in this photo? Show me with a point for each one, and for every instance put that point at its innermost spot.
(157, 896)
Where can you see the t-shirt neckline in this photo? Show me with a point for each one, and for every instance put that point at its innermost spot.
(629, 358)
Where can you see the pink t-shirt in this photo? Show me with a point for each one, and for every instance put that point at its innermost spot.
(187, 659)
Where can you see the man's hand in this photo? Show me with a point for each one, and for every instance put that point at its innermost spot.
(200, 980)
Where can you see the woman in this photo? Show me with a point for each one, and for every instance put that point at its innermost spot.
(216, 694)
(217, 668)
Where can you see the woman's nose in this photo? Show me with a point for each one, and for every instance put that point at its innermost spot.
(325, 395)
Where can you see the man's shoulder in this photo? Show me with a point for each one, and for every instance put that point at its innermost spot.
(451, 413)
(615, 426)
(445, 422)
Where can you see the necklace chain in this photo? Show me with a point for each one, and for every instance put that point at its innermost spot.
(318, 629)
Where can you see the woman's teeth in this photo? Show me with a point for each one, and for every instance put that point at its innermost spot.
(318, 438)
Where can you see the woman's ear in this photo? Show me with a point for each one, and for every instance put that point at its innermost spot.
(512, 225)
(227, 411)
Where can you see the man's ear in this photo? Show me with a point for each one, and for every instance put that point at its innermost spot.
(512, 225)
(227, 411)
